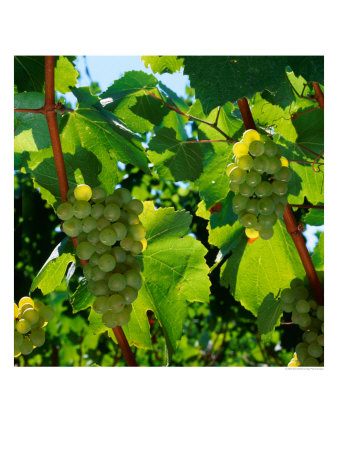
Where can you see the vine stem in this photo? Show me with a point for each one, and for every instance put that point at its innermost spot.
(190, 117)
(49, 110)
(319, 96)
(307, 206)
(289, 219)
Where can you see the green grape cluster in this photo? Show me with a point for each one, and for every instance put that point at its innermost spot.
(259, 178)
(30, 317)
(309, 316)
(109, 236)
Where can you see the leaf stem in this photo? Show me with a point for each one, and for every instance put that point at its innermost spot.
(307, 206)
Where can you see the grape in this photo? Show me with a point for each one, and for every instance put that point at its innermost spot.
(253, 178)
(288, 307)
(266, 206)
(309, 336)
(245, 162)
(320, 313)
(89, 224)
(85, 250)
(246, 190)
(248, 220)
(26, 347)
(81, 209)
(97, 274)
(120, 268)
(31, 315)
(301, 350)
(270, 148)
(112, 212)
(70, 196)
(117, 282)
(129, 294)
(123, 194)
(38, 305)
(23, 326)
(87, 271)
(127, 243)
(136, 248)
(284, 161)
(315, 350)
(115, 303)
(132, 218)
(133, 279)
(250, 136)
(72, 227)
(287, 295)
(137, 232)
(315, 324)
(37, 337)
(239, 203)
(240, 149)
(123, 316)
(40, 323)
(320, 340)
(302, 306)
(301, 293)
(93, 236)
(102, 223)
(267, 221)
(99, 288)
(16, 310)
(65, 211)
(144, 243)
(251, 233)
(119, 254)
(284, 174)
(266, 233)
(304, 320)
(234, 187)
(97, 211)
(81, 237)
(25, 300)
(114, 198)
(108, 236)
(18, 338)
(279, 187)
(283, 199)
(102, 248)
(135, 206)
(274, 165)
(83, 192)
(279, 210)
(109, 319)
(107, 263)
(100, 304)
(310, 362)
(120, 230)
(237, 175)
(313, 304)
(256, 148)
(260, 163)
(47, 313)
(252, 206)
(229, 167)
(99, 194)
(263, 189)
(322, 327)
(133, 263)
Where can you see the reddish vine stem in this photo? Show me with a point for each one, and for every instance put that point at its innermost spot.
(319, 96)
(290, 221)
(307, 149)
(315, 162)
(307, 206)
(49, 110)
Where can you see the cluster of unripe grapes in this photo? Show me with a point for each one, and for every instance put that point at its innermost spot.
(259, 177)
(109, 236)
(30, 317)
(309, 316)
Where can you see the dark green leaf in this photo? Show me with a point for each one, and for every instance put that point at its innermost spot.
(269, 313)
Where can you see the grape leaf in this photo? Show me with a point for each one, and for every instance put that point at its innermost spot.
(269, 313)
(65, 75)
(52, 272)
(131, 83)
(314, 217)
(174, 159)
(310, 129)
(255, 270)
(174, 271)
(318, 253)
(81, 298)
(41, 166)
(163, 64)
(218, 79)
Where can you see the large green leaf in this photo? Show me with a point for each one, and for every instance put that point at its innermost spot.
(131, 83)
(65, 75)
(318, 254)
(255, 270)
(314, 217)
(52, 272)
(310, 129)
(41, 166)
(163, 64)
(218, 79)
(269, 314)
(174, 271)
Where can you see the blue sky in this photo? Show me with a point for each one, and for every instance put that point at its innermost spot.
(106, 69)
